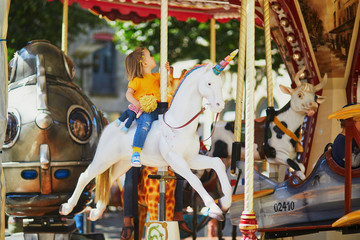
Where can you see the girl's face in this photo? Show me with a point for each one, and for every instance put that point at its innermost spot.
(149, 60)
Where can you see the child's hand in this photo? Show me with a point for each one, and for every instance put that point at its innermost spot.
(137, 105)
(167, 66)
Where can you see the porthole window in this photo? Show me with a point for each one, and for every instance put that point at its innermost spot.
(62, 173)
(29, 174)
(79, 124)
(12, 129)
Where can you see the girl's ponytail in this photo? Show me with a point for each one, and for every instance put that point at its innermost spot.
(133, 64)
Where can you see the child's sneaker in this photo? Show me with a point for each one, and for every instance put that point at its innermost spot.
(135, 160)
(124, 129)
(118, 122)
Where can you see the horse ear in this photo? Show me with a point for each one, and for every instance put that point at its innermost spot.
(286, 90)
(209, 66)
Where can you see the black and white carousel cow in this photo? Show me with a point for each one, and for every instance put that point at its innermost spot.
(277, 140)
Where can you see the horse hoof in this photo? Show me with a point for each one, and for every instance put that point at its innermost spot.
(216, 212)
(301, 175)
(302, 167)
(225, 202)
(94, 215)
(219, 217)
(65, 209)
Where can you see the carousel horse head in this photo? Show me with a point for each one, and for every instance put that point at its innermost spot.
(210, 85)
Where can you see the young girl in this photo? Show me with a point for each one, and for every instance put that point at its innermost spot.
(138, 65)
(142, 82)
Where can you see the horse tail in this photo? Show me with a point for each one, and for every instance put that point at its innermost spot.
(102, 190)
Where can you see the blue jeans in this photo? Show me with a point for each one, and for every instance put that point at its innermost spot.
(179, 194)
(128, 114)
(144, 124)
(131, 192)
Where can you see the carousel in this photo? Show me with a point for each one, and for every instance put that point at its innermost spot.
(319, 46)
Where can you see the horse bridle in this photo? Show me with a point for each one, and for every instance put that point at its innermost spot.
(192, 119)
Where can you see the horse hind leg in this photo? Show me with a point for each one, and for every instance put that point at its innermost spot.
(83, 180)
(97, 212)
(117, 170)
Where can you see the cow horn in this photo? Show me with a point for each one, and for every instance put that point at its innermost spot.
(220, 66)
(321, 84)
(297, 77)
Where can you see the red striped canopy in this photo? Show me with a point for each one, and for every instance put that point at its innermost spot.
(139, 11)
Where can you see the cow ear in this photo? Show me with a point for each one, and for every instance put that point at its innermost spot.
(286, 90)
(320, 99)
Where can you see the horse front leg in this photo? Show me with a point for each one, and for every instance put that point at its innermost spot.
(205, 162)
(179, 165)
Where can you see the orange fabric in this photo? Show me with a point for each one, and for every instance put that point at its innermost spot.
(148, 85)
(299, 147)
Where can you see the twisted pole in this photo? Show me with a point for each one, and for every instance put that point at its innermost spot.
(236, 147)
(163, 54)
(268, 54)
(248, 223)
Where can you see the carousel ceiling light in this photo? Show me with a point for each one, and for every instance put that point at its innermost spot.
(290, 38)
(303, 75)
(284, 22)
(297, 56)
(276, 6)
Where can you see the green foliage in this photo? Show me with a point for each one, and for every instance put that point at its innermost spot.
(40, 19)
(189, 40)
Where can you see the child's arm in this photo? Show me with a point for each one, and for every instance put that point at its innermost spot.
(130, 97)
(170, 75)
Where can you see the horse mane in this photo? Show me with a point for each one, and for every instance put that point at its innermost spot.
(187, 73)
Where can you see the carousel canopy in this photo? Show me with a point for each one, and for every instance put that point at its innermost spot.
(146, 10)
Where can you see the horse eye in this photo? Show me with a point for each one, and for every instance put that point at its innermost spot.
(300, 95)
(209, 84)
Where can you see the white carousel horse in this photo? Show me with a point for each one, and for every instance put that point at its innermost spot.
(165, 145)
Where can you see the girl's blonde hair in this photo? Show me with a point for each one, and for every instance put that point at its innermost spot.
(133, 63)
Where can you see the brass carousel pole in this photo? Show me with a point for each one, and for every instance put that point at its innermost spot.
(171, 227)
(64, 37)
(212, 40)
(4, 13)
(163, 92)
(268, 55)
(236, 147)
(208, 115)
(248, 223)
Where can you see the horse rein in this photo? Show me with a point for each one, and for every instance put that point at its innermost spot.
(192, 119)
